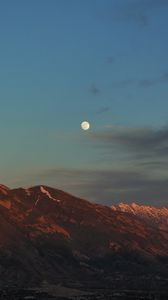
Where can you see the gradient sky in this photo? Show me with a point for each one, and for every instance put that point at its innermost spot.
(105, 61)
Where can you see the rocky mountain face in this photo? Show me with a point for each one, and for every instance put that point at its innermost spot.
(49, 235)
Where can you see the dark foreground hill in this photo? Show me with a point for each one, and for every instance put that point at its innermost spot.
(47, 235)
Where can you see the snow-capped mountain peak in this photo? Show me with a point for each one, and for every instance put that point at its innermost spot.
(153, 215)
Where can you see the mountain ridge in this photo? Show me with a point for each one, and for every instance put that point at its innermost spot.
(48, 234)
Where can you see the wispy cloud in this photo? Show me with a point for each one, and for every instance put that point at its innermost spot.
(107, 186)
(137, 10)
(103, 110)
(93, 89)
(124, 83)
(148, 82)
(140, 175)
(142, 83)
(142, 142)
(110, 59)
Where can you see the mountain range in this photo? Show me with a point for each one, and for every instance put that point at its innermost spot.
(52, 236)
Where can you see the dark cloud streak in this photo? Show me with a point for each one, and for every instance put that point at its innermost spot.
(139, 177)
(136, 10)
(142, 83)
(143, 142)
(153, 81)
(103, 110)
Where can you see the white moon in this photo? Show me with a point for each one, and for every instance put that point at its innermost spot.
(85, 125)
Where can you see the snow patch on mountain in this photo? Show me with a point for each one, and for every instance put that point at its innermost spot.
(38, 198)
(44, 191)
(4, 189)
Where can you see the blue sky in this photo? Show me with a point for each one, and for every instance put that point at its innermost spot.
(65, 61)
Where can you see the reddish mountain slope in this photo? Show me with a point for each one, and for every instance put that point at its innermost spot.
(47, 234)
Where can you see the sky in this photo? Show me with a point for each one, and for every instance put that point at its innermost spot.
(104, 61)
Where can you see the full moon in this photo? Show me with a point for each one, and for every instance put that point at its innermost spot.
(85, 125)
